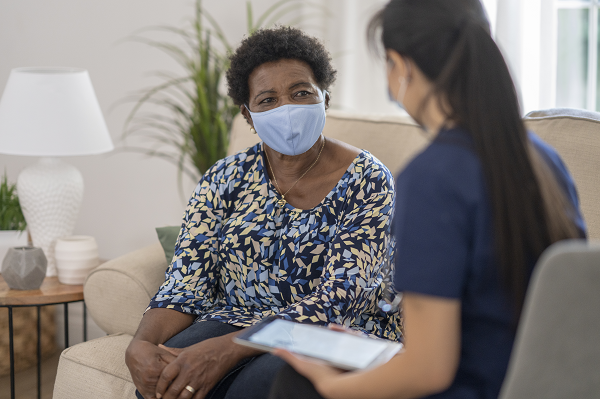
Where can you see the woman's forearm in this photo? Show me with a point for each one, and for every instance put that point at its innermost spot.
(158, 325)
(399, 378)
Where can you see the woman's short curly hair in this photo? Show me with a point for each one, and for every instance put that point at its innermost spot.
(267, 45)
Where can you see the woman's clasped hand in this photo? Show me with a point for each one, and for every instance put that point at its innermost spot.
(147, 365)
(201, 365)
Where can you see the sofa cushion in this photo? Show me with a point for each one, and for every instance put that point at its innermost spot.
(117, 292)
(95, 369)
(575, 134)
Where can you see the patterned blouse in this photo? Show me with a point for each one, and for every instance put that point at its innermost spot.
(240, 257)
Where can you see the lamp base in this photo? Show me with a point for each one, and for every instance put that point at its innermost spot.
(50, 192)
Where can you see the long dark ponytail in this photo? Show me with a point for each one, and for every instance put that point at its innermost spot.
(449, 41)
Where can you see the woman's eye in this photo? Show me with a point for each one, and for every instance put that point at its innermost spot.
(303, 93)
(267, 100)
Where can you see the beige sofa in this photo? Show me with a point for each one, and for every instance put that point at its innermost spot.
(117, 293)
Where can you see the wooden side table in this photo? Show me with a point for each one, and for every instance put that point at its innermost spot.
(51, 292)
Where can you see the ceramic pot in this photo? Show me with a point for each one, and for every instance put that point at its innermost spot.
(76, 257)
(24, 268)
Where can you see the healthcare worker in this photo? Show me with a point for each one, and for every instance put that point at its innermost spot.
(474, 211)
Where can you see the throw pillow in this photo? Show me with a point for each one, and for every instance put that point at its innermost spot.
(168, 236)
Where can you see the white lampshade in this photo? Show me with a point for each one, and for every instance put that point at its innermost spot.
(51, 112)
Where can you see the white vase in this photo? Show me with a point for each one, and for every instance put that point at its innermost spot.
(11, 238)
(50, 192)
(76, 257)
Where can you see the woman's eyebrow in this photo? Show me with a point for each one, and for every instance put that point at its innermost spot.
(265, 91)
(300, 84)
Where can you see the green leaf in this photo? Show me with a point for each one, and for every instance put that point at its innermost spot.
(11, 215)
(249, 19)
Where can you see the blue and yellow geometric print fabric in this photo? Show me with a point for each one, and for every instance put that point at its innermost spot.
(240, 257)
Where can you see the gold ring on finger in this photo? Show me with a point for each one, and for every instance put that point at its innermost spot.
(192, 390)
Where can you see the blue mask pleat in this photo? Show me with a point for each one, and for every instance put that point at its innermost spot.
(290, 129)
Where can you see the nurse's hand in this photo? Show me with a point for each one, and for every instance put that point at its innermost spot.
(320, 375)
(340, 328)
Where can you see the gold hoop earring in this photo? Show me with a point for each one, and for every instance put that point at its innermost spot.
(252, 130)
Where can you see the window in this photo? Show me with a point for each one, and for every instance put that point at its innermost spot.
(577, 73)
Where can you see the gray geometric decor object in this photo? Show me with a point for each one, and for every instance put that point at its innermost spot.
(24, 268)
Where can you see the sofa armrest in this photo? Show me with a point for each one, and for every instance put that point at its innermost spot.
(117, 292)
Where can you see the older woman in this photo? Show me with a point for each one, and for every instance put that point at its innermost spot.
(296, 226)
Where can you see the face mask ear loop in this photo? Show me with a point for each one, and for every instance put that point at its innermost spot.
(401, 90)
(403, 86)
(324, 94)
(252, 130)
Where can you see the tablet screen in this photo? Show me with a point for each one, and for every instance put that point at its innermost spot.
(344, 349)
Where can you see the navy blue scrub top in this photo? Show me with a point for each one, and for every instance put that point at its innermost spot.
(445, 248)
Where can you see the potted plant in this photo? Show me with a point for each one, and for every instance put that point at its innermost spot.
(190, 128)
(12, 221)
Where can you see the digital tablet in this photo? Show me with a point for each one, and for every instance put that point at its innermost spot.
(339, 349)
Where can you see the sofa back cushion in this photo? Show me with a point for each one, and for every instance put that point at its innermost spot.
(575, 134)
(394, 140)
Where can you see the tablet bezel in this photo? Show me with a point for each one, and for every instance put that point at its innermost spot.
(243, 338)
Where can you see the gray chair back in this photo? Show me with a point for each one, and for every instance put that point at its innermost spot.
(557, 348)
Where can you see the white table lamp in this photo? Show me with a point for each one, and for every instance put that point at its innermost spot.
(49, 113)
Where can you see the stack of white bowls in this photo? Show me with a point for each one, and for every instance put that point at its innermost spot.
(76, 257)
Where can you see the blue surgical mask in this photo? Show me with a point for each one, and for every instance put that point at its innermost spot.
(291, 129)
(399, 98)
(394, 100)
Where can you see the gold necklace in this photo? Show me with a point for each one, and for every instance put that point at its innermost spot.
(282, 201)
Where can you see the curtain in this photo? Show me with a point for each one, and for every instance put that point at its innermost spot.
(526, 33)
(523, 29)
(361, 84)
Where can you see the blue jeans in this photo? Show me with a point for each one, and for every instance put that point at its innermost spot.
(249, 379)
